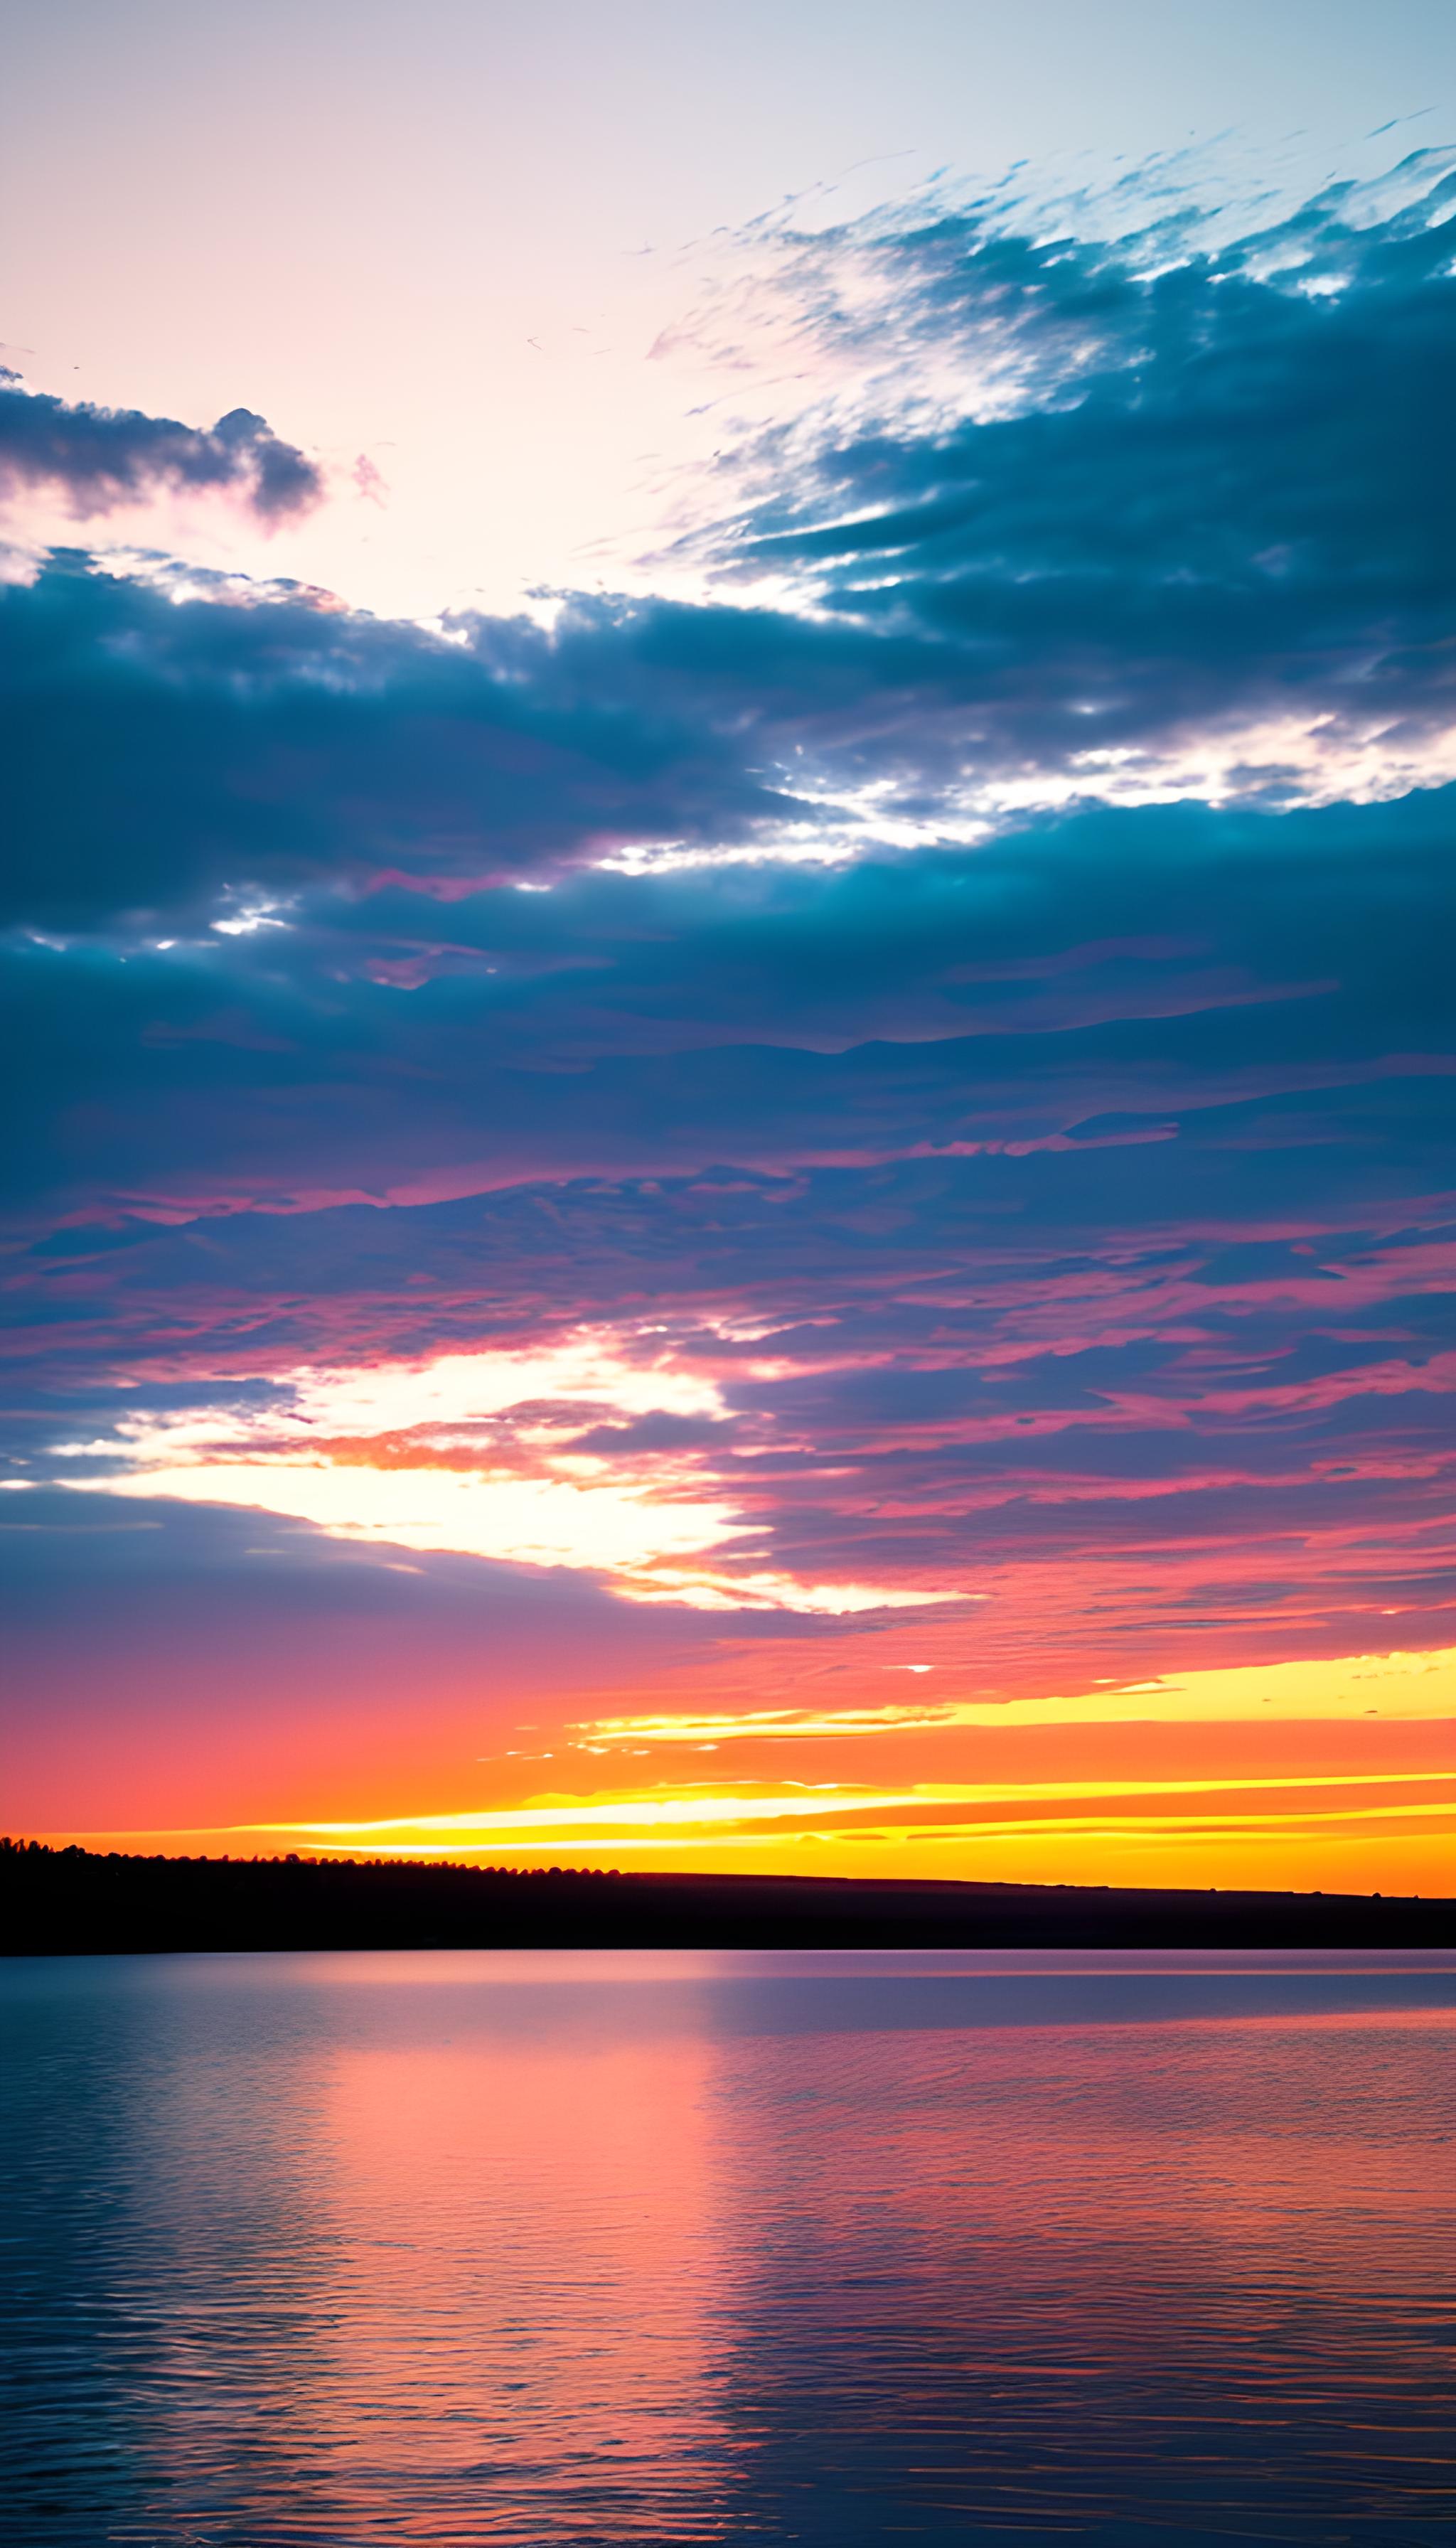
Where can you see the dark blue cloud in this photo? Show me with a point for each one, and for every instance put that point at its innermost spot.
(1107, 981)
(160, 751)
(1091, 1190)
(101, 457)
(1092, 1184)
(1218, 522)
(1221, 494)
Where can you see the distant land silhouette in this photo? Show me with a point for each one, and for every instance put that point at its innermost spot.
(75, 1901)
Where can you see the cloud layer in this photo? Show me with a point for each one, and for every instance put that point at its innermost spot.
(1197, 539)
(906, 1102)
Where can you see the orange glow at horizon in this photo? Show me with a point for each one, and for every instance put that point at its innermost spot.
(1199, 1817)
(1405, 1686)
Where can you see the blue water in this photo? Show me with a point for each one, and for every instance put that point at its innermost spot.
(453, 2248)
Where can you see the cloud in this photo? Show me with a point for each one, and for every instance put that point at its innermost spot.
(1048, 1202)
(1065, 1222)
(1192, 536)
(166, 745)
(101, 457)
(1137, 509)
(1116, 995)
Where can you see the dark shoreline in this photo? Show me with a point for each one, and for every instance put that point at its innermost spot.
(71, 1901)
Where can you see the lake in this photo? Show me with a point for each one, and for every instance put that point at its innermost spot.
(559, 2248)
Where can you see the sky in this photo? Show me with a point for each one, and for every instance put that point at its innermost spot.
(727, 936)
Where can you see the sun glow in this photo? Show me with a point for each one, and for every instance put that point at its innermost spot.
(496, 1454)
(815, 1806)
(536, 1522)
(1140, 1830)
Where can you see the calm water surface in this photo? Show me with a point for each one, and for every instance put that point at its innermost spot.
(347, 2249)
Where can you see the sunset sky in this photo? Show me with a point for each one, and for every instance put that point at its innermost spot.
(730, 753)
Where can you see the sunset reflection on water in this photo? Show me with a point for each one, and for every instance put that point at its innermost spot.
(460, 2248)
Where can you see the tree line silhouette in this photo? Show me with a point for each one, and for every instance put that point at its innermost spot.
(71, 1900)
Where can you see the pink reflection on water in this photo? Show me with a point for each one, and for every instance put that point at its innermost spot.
(525, 2232)
(571, 2249)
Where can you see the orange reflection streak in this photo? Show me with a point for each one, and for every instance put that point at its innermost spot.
(560, 2185)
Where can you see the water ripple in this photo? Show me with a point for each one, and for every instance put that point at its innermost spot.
(333, 2252)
